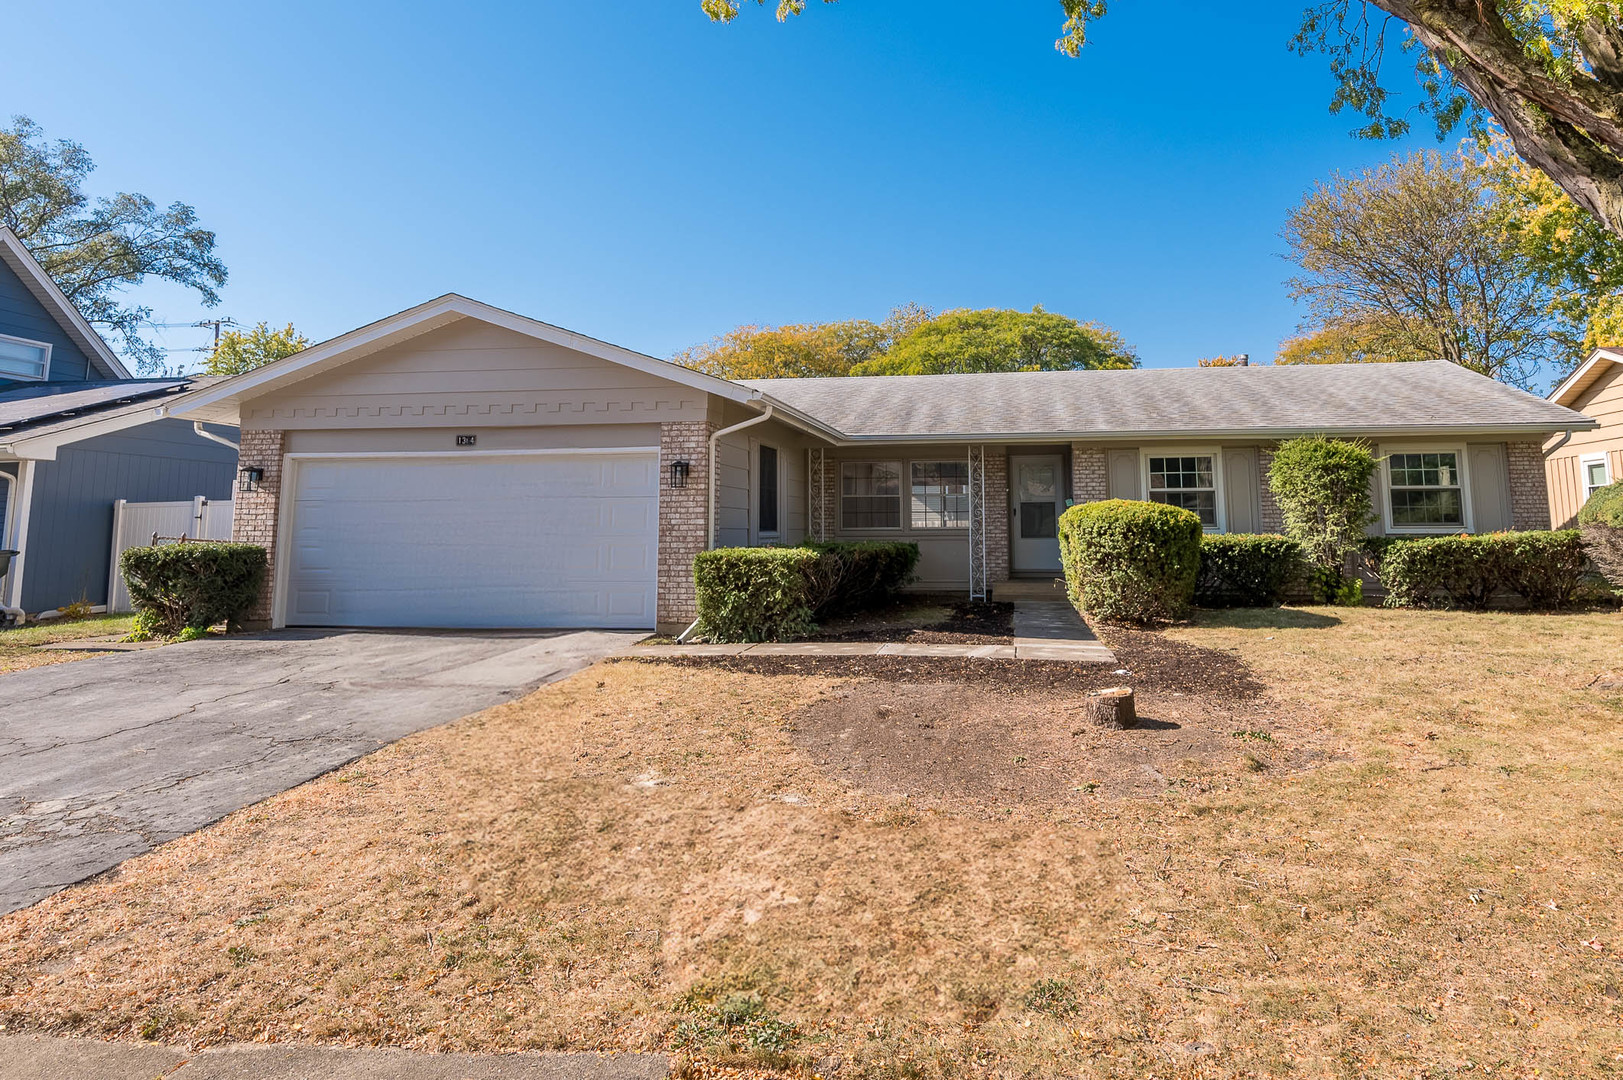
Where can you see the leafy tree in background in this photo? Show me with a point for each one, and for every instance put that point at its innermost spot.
(1358, 341)
(1548, 72)
(92, 250)
(240, 351)
(1223, 361)
(1411, 259)
(996, 339)
(801, 351)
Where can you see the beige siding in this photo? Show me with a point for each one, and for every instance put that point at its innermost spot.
(1603, 401)
(408, 440)
(474, 375)
(737, 456)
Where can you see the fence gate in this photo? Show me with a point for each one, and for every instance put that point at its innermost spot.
(135, 524)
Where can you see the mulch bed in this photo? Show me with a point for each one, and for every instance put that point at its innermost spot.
(970, 623)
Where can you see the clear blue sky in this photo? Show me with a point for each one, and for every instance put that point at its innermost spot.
(629, 170)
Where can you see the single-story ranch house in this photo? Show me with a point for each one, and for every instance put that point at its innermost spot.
(456, 465)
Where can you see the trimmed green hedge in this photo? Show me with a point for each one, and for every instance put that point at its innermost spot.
(1246, 570)
(779, 593)
(1543, 569)
(180, 587)
(1128, 561)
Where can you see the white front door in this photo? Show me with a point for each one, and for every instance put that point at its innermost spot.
(550, 539)
(1037, 490)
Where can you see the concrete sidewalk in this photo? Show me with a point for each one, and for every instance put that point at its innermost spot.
(1043, 630)
(36, 1057)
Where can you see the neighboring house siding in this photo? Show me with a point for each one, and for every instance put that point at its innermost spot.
(71, 520)
(1602, 401)
(21, 315)
(473, 375)
(5, 506)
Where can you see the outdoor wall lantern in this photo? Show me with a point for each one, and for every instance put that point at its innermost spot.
(250, 476)
(679, 474)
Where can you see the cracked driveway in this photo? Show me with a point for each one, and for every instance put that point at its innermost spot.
(104, 759)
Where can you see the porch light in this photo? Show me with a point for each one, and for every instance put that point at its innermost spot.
(250, 476)
(679, 474)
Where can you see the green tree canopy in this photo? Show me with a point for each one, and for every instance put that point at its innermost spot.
(94, 249)
(1548, 72)
(240, 351)
(999, 339)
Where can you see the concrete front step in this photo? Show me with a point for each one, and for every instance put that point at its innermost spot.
(1029, 589)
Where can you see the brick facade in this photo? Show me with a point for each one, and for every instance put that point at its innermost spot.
(682, 519)
(1272, 518)
(1529, 486)
(997, 516)
(254, 513)
(1090, 473)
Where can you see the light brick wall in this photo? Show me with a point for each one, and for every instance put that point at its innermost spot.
(1090, 473)
(254, 513)
(1272, 518)
(997, 516)
(1529, 486)
(681, 519)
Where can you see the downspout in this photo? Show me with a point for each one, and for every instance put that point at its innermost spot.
(197, 426)
(1566, 437)
(714, 482)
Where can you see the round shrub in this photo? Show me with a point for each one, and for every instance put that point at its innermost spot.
(1133, 562)
(755, 594)
(1601, 522)
(178, 587)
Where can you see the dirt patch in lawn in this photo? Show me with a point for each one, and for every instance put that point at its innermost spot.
(967, 748)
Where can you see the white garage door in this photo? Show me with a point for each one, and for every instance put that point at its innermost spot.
(558, 539)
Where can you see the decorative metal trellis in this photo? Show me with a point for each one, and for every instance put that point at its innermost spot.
(977, 523)
(816, 467)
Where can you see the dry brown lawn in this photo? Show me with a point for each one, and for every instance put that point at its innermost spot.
(1408, 864)
(21, 649)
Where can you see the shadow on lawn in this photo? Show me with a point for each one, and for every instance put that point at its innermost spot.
(1282, 618)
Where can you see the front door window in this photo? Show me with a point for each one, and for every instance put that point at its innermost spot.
(1037, 498)
(1037, 486)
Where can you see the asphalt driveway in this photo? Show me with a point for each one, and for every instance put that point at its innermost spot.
(104, 759)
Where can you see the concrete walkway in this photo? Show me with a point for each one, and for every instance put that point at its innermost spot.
(34, 1057)
(1043, 630)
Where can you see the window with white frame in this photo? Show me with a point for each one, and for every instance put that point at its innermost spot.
(1426, 490)
(871, 495)
(1186, 480)
(24, 359)
(939, 494)
(1597, 473)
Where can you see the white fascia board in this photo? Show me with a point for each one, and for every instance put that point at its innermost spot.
(46, 292)
(44, 447)
(1527, 431)
(1575, 384)
(431, 316)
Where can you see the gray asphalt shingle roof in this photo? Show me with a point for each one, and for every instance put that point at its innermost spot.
(1307, 399)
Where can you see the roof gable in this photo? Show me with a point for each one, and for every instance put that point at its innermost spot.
(222, 403)
(1570, 389)
(31, 306)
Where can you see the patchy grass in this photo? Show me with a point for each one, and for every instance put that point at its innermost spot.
(640, 857)
(20, 648)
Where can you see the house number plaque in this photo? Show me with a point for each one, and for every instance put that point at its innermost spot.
(467, 440)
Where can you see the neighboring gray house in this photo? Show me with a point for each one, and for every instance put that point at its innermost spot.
(78, 433)
(456, 465)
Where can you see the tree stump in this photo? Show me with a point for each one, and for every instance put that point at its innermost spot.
(1111, 708)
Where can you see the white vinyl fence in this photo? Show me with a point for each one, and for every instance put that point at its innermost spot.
(135, 525)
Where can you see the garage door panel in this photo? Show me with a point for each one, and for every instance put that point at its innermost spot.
(549, 540)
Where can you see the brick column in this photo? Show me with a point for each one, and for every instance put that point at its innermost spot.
(1272, 518)
(681, 519)
(1529, 486)
(1090, 475)
(254, 513)
(997, 516)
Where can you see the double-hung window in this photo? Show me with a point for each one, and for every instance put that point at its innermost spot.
(871, 495)
(1186, 480)
(766, 491)
(940, 494)
(24, 359)
(1597, 474)
(1426, 489)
